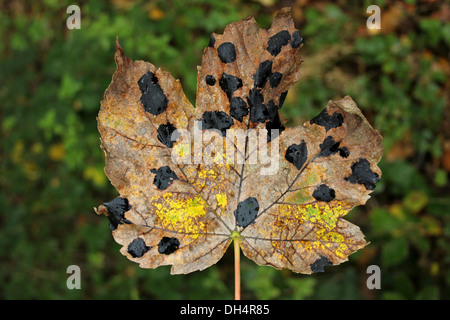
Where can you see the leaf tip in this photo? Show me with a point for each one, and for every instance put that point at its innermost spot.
(119, 56)
(283, 14)
(101, 210)
(284, 11)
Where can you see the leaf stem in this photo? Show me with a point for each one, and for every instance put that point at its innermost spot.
(237, 269)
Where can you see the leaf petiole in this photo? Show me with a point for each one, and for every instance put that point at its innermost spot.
(237, 268)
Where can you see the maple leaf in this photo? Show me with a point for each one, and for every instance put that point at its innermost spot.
(286, 213)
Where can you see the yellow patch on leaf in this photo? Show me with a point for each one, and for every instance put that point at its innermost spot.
(221, 200)
(181, 215)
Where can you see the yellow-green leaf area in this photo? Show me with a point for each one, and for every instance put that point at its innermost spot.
(181, 215)
(326, 216)
(221, 200)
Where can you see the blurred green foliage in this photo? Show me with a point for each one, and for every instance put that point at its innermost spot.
(52, 166)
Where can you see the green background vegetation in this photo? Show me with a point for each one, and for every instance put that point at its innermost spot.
(52, 80)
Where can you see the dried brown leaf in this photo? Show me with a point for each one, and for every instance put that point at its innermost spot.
(185, 214)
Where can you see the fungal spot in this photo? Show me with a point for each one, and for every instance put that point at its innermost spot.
(344, 152)
(137, 248)
(275, 79)
(324, 193)
(328, 147)
(272, 110)
(319, 264)
(263, 73)
(153, 98)
(164, 177)
(229, 84)
(274, 121)
(238, 108)
(297, 154)
(217, 120)
(227, 52)
(168, 245)
(282, 98)
(246, 212)
(258, 110)
(210, 80)
(296, 39)
(116, 212)
(362, 174)
(327, 121)
(277, 41)
(212, 41)
(165, 132)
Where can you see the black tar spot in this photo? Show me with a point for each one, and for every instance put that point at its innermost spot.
(217, 120)
(153, 98)
(282, 98)
(319, 264)
(164, 177)
(328, 147)
(296, 39)
(246, 212)
(297, 154)
(274, 121)
(327, 121)
(137, 248)
(116, 212)
(275, 79)
(227, 52)
(277, 41)
(165, 134)
(238, 108)
(258, 110)
(229, 84)
(324, 193)
(362, 174)
(344, 152)
(168, 245)
(210, 80)
(263, 73)
(212, 41)
(272, 110)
